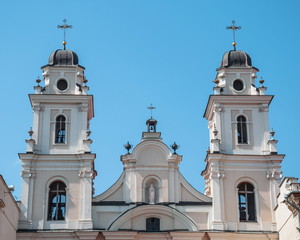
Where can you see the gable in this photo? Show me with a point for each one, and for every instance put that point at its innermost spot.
(151, 155)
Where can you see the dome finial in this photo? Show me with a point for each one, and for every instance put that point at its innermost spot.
(65, 26)
(233, 28)
(174, 146)
(128, 146)
(64, 43)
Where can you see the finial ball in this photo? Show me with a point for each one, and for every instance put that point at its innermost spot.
(234, 44)
(64, 43)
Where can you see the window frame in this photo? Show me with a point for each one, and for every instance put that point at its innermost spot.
(249, 203)
(56, 131)
(153, 226)
(242, 81)
(60, 193)
(64, 90)
(243, 126)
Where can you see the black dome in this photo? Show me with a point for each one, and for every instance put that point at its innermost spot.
(63, 58)
(236, 59)
(151, 122)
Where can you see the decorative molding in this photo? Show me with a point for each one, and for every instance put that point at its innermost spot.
(37, 107)
(218, 108)
(210, 124)
(79, 74)
(274, 175)
(217, 174)
(264, 108)
(85, 173)
(46, 73)
(83, 108)
(28, 173)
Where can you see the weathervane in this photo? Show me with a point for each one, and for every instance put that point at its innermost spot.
(151, 109)
(65, 26)
(233, 28)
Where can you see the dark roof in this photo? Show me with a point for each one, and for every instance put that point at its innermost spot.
(151, 122)
(63, 58)
(236, 59)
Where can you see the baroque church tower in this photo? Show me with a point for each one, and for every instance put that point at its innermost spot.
(58, 166)
(242, 165)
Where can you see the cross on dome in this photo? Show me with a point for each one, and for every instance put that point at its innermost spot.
(151, 109)
(65, 26)
(233, 28)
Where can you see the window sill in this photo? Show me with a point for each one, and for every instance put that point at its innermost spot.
(244, 146)
(248, 221)
(56, 221)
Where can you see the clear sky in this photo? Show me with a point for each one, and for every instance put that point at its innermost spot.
(138, 52)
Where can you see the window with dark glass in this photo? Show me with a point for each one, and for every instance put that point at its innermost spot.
(246, 202)
(152, 224)
(238, 85)
(60, 129)
(62, 84)
(57, 201)
(242, 129)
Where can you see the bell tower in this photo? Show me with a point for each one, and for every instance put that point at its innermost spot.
(58, 166)
(242, 164)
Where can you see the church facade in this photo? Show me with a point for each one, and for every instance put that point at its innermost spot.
(151, 199)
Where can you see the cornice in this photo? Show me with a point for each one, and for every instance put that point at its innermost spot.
(38, 99)
(235, 100)
(62, 157)
(59, 98)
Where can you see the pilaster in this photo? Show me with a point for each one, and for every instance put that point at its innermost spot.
(26, 205)
(217, 192)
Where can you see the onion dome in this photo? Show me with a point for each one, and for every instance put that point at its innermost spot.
(236, 59)
(63, 58)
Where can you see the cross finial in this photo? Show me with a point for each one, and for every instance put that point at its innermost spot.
(65, 26)
(151, 109)
(233, 28)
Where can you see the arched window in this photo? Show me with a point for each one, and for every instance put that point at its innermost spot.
(57, 201)
(242, 129)
(246, 202)
(60, 129)
(152, 224)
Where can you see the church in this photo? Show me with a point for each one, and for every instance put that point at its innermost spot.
(245, 194)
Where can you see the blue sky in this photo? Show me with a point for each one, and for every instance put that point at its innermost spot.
(138, 52)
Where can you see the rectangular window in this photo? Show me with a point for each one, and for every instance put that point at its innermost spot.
(246, 202)
(152, 224)
(242, 130)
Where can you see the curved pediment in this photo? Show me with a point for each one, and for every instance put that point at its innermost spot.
(170, 219)
(151, 152)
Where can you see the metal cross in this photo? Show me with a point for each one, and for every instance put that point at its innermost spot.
(151, 108)
(65, 26)
(233, 28)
